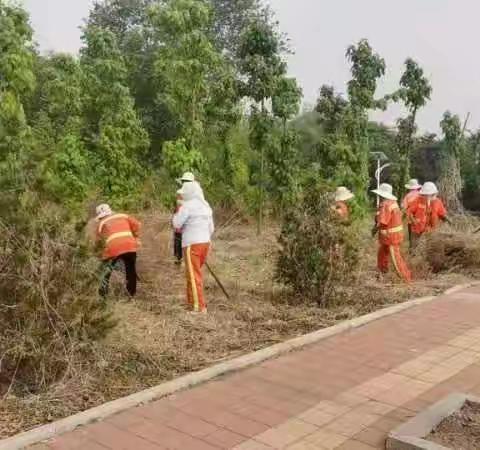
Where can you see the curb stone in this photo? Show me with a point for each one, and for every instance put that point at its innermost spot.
(45, 432)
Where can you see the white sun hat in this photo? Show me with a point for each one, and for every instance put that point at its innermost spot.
(385, 190)
(188, 177)
(429, 188)
(413, 184)
(343, 194)
(102, 211)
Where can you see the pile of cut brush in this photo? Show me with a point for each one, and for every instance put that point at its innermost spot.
(449, 250)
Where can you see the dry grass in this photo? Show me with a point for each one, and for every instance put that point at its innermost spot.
(156, 340)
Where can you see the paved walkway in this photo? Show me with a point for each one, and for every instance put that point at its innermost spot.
(346, 392)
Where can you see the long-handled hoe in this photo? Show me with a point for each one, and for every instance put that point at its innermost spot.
(218, 281)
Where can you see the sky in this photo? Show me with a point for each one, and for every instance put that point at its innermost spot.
(442, 35)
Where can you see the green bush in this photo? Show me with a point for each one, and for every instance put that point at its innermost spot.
(318, 251)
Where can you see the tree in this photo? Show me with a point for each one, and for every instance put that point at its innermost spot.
(366, 68)
(282, 158)
(261, 66)
(56, 112)
(16, 80)
(336, 158)
(450, 184)
(232, 18)
(415, 90)
(113, 132)
(188, 64)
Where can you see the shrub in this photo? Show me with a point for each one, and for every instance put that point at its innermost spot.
(318, 251)
(49, 310)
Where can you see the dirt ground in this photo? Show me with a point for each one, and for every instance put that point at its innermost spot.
(460, 431)
(157, 340)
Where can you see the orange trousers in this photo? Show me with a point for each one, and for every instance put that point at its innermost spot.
(387, 252)
(195, 257)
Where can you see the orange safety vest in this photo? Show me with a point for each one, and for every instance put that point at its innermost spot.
(342, 210)
(389, 223)
(119, 232)
(409, 199)
(426, 214)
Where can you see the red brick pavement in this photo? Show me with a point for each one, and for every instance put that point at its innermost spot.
(346, 392)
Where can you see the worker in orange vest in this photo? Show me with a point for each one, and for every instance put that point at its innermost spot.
(413, 187)
(342, 196)
(117, 234)
(195, 219)
(427, 211)
(390, 233)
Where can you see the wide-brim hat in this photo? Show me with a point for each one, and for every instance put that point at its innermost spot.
(413, 184)
(187, 177)
(103, 211)
(343, 194)
(429, 188)
(385, 191)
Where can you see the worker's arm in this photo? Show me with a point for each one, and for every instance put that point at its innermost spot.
(476, 231)
(135, 226)
(180, 217)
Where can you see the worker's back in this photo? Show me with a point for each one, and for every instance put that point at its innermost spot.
(119, 233)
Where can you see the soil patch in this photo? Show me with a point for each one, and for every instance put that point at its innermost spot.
(461, 430)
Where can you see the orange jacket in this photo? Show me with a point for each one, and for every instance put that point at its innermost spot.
(342, 210)
(389, 223)
(119, 232)
(409, 199)
(426, 214)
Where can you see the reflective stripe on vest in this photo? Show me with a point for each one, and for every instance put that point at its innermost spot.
(392, 230)
(121, 234)
(108, 219)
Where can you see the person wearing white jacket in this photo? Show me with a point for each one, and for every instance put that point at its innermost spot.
(195, 219)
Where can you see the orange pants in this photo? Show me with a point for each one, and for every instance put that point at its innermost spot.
(195, 257)
(385, 252)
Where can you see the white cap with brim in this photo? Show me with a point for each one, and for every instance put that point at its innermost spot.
(413, 185)
(343, 194)
(103, 211)
(429, 188)
(385, 191)
(187, 177)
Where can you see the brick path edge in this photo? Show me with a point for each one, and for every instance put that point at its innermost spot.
(48, 431)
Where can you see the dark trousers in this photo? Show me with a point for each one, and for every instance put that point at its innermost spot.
(130, 263)
(177, 246)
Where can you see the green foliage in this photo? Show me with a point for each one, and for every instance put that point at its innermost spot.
(114, 133)
(470, 170)
(179, 158)
(451, 184)
(318, 252)
(452, 130)
(415, 90)
(261, 62)
(16, 80)
(366, 69)
(188, 63)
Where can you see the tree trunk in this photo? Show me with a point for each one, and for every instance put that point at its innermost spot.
(450, 186)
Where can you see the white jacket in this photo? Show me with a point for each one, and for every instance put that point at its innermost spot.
(195, 217)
